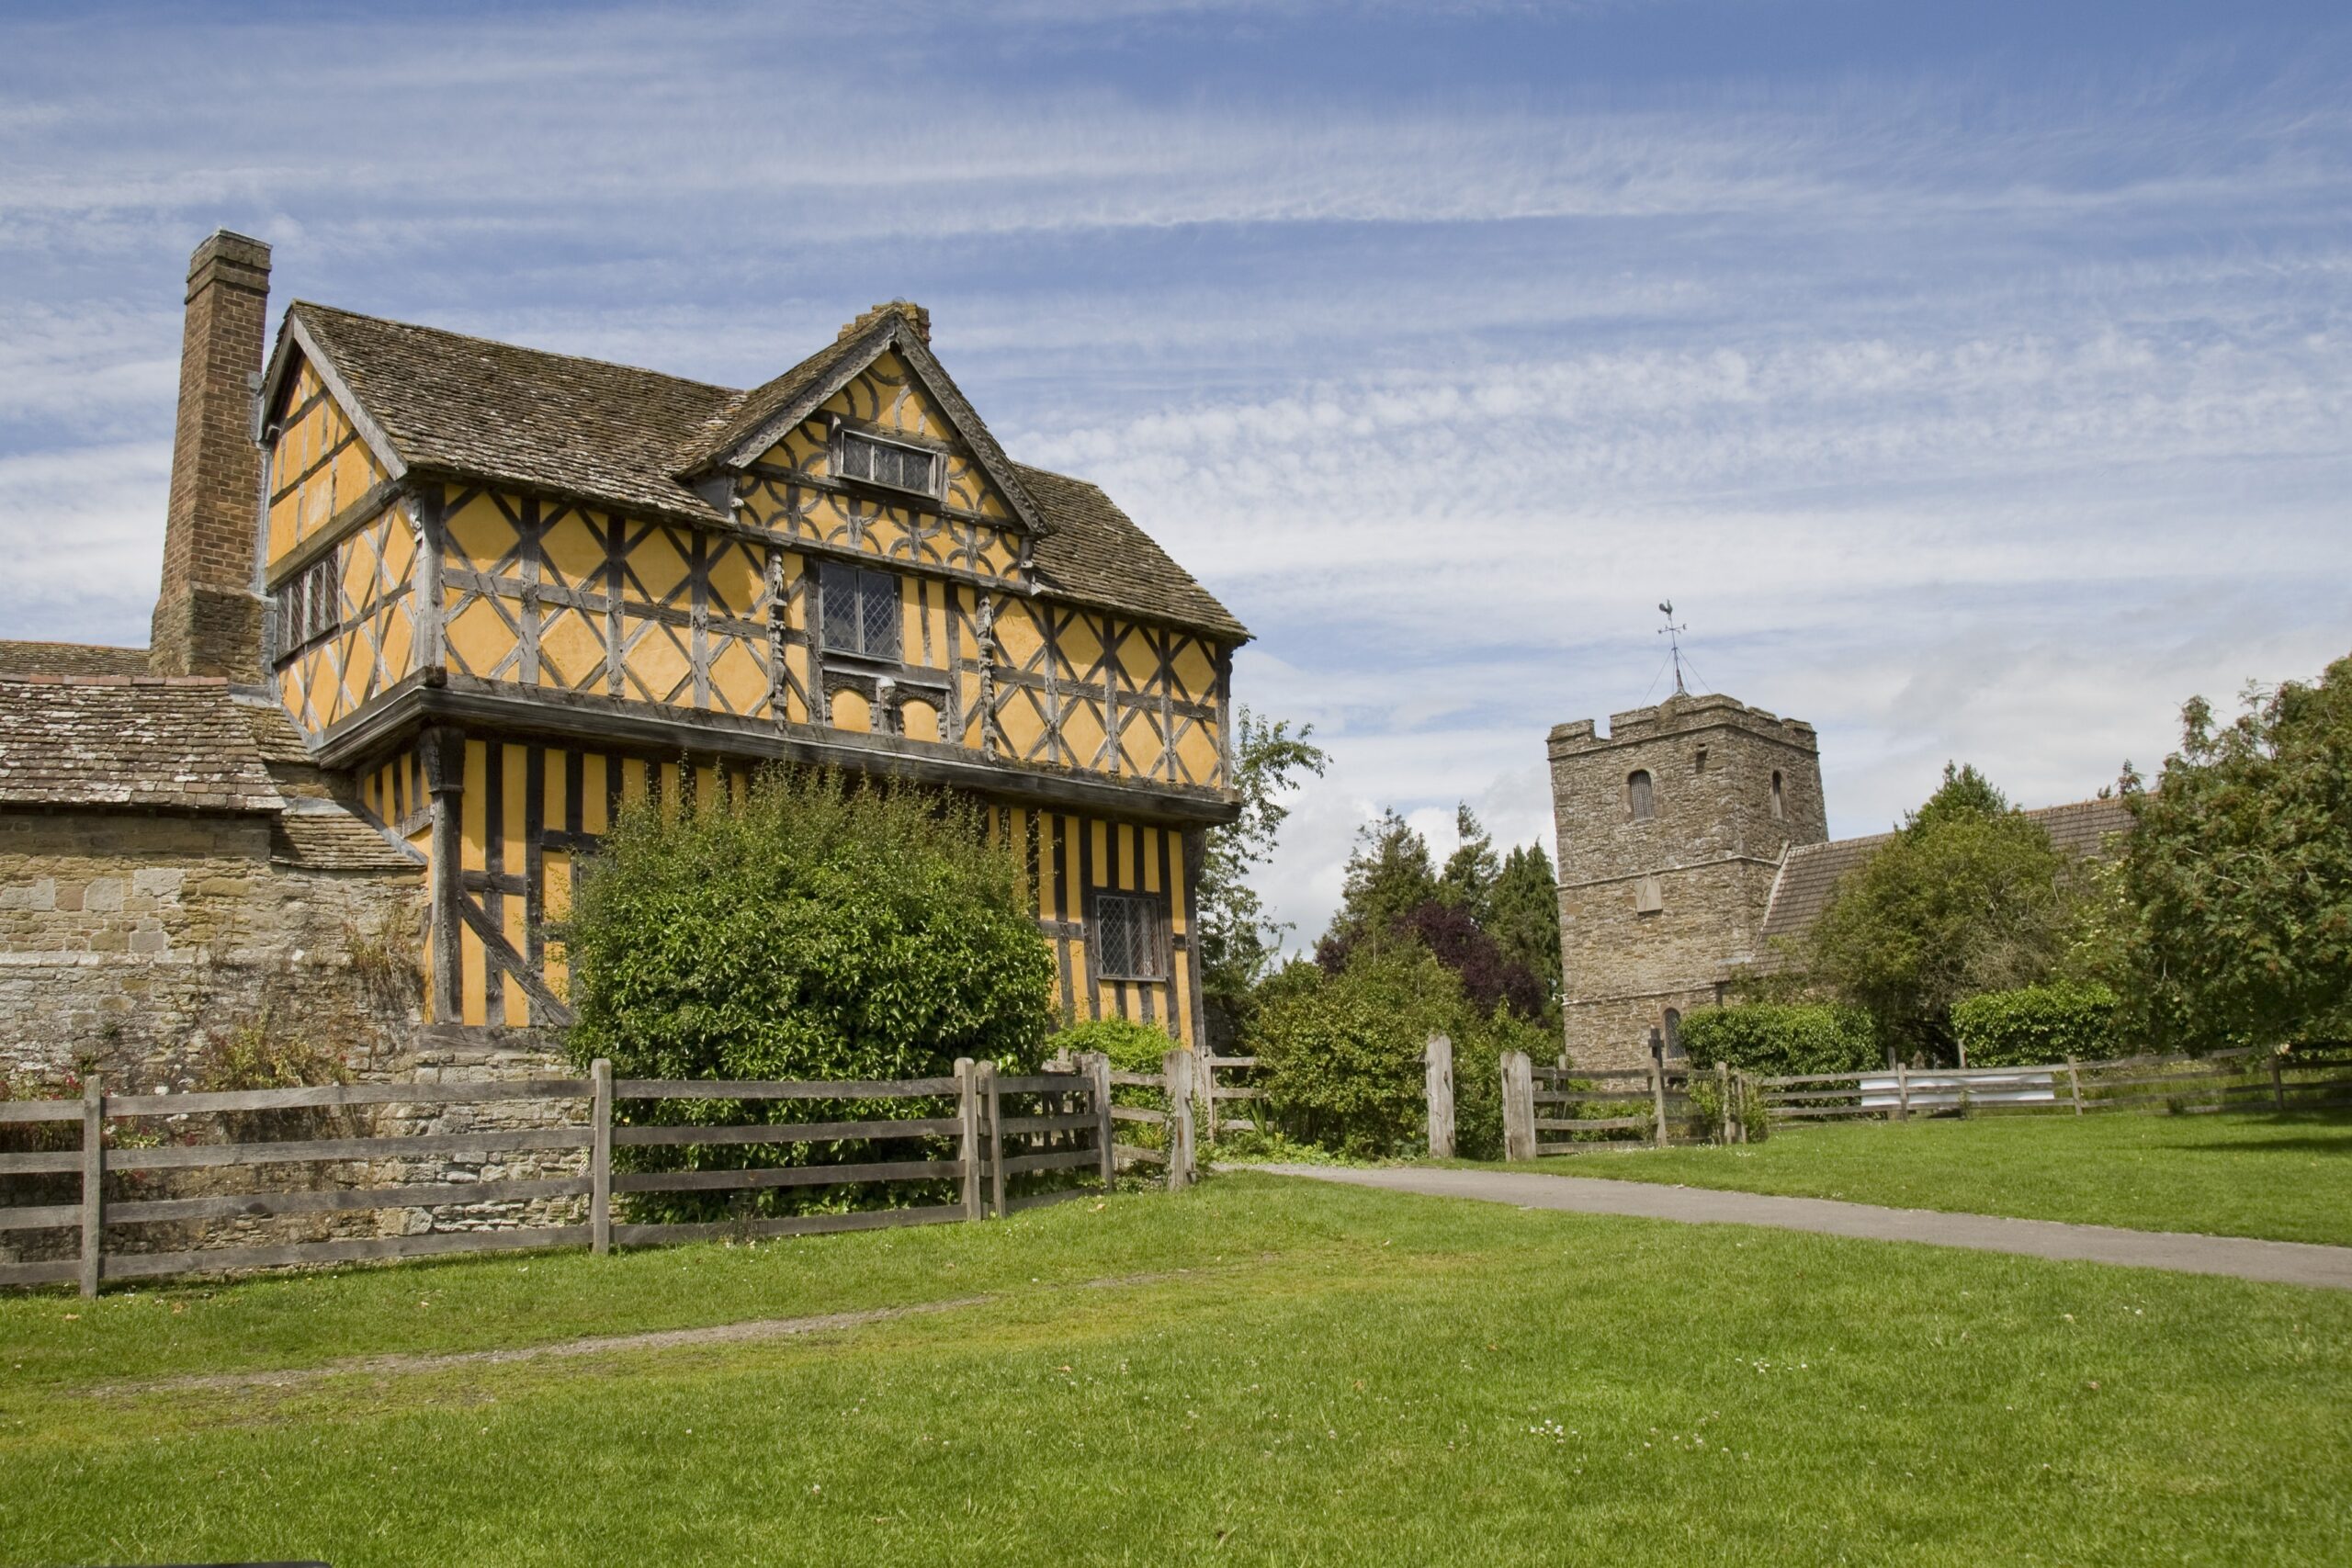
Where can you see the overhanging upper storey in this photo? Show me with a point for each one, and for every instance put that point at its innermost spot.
(841, 563)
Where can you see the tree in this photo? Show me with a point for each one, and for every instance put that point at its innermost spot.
(1468, 880)
(1389, 875)
(1526, 916)
(2233, 922)
(1968, 896)
(1238, 942)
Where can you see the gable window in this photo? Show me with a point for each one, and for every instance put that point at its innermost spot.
(878, 462)
(1641, 803)
(308, 607)
(1128, 937)
(861, 610)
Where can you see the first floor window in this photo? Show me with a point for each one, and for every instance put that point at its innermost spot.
(1129, 938)
(888, 463)
(309, 607)
(861, 610)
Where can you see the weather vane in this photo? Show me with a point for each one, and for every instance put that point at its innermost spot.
(1673, 634)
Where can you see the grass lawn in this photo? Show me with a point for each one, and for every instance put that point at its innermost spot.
(1268, 1371)
(2282, 1178)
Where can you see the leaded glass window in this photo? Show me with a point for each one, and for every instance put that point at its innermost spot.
(888, 463)
(1129, 936)
(861, 612)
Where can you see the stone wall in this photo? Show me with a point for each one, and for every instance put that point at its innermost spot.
(1655, 911)
(130, 943)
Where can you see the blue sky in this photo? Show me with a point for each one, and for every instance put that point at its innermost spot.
(1977, 380)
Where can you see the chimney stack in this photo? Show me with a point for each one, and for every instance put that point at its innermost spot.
(208, 617)
(916, 316)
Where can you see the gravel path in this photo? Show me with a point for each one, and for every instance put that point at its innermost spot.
(2282, 1262)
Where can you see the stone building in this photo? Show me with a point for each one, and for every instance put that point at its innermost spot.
(1693, 845)
(1672, 828)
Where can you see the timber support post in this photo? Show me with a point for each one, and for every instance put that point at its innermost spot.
(1519, 1106)
(600, 1157)
(1437, 1061)
(2278, 1083)
(443, 752)
(1096, 1066)
(93, 1178)
(1722, 1100)
(1901, 1093)
(2075, 1083)
(1176, 1075)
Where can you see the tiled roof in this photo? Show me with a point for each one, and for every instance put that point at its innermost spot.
(614, 435)
(70, 659)
(465, 405)
(334, 840)
(188, 743)
(1096, 554)
(181, 743)
(1809, 872)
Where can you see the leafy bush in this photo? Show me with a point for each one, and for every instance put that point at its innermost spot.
(2036, 1024)
(813, 928)
(1340, 1056)
(1133, 1047)
(1776, 1038)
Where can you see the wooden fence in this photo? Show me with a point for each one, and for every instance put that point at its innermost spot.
(980, 1130)
(1215, 1095)
(2306, 1078)
(1558, 1111)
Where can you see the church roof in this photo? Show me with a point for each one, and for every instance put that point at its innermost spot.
(1810, 872)
(614, 435)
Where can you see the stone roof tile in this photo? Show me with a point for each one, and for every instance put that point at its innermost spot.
(612, 434)
(182, 743)
(70, 659)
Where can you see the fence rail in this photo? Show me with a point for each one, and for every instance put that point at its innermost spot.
(997, 1128)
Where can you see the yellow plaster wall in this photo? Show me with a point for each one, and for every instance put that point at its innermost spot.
(317, 465)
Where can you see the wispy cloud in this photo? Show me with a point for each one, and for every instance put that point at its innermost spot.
(1974, 402)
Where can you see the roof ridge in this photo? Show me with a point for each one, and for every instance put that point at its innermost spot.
(514, 347)
(44, 679)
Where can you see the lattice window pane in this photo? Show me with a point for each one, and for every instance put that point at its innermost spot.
(885, 463)
(1127, 938)
(844, 622)
(879, 595)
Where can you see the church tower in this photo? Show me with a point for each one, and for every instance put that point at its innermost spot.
(1671, 831)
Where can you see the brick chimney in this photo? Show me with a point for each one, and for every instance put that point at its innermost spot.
(208, 617)
(917, 317)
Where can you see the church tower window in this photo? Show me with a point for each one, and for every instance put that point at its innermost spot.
(1641, 803)
(1780, 798)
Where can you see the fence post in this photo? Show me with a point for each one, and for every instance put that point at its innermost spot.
(1096, 1066)
(1205, 1084)
(1519, 1106)
(2278, 1083)
(1901, 1093)
(1722, 1099)
(995, 1136)
(968, 1132)
(1658, 1084)
(600, 1157)
(1437, 1059)
(2074, 1082)
(93, 1175)
(1176, 1081)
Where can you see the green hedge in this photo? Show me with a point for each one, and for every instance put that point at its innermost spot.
(2038, 1023)
(1133, 1047)
(1776, 1038)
